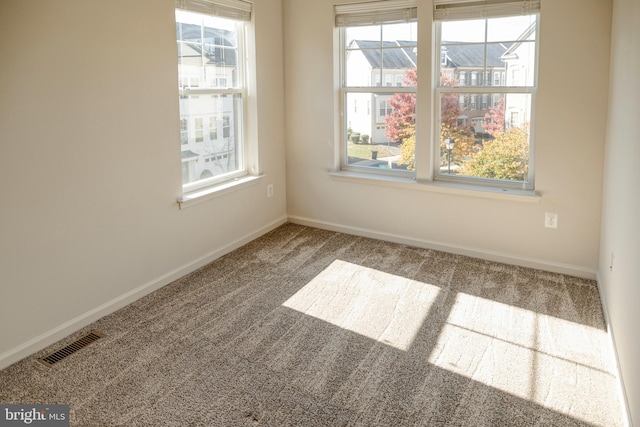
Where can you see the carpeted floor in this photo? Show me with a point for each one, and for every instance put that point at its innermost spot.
(306, 327)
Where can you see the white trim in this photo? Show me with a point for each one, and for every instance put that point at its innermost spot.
(607, 319)
(553, 267)
(453, 188)
(216, 190)
(67, 328)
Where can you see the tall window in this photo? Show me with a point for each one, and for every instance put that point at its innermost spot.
(378, 39)
(199, 129)
(492, 37)
(184, 130)
(212, 83)
(213, 128)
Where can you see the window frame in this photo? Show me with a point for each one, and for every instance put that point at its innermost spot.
(375, 89)
(240, 13)
(427, 115)
(489, 89)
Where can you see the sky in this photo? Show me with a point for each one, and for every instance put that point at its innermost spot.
(470, 31)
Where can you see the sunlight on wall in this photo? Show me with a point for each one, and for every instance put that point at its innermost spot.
(550, 361)
(384, 307)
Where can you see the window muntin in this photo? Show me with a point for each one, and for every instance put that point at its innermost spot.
(211, 83)
(492, 140)
(379, 65)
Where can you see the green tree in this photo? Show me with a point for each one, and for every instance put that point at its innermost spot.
(506, 157)
(408, 153)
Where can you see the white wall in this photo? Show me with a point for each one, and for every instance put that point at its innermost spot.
(90, 162)
(621, 202)
(570, 130)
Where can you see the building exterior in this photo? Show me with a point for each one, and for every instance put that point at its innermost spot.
(462, 65)
(519, 60)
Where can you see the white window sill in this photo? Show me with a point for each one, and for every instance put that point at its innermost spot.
(525, 196)
(201, 195)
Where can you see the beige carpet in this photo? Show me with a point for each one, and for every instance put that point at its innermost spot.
(306, 327)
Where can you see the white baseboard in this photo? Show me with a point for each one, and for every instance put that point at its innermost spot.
(621, 389)
(553, 267)
(67, 328)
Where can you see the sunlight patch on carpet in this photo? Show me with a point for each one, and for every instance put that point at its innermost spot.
(547, 360)
(381, 306)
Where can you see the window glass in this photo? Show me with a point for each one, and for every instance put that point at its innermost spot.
(379, 71)
(484, 130)
(211, 86)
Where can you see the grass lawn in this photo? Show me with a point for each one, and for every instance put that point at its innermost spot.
(363, 151)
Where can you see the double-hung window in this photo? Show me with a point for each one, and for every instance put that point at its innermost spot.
(378, 43)
(212, 89)
(481, 142)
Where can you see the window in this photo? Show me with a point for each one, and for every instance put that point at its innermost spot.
(226, 127)
(212, 73)
(184, 130)
(388, 80)
(199, 129)
(378, 39)
(480, 103)
(384, 109)
(489, 148)
(515, 118)
(213, 128)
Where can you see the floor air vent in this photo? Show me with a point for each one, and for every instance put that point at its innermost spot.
(79, 344)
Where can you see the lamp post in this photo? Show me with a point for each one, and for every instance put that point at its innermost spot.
(449, 143)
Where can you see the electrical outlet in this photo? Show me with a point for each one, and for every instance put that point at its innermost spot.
(551, 220)
(270, 190)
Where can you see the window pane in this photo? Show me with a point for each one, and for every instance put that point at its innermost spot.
(490, 138)
(210, 123)
(188, 32)
(208, 152)
(207, 51)
(403, 34)
(504, 63)
(380, 137)
(484, 131)
(511, 28)
(472, 31)
(380, 124)
(376, 55)
(520, 64)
